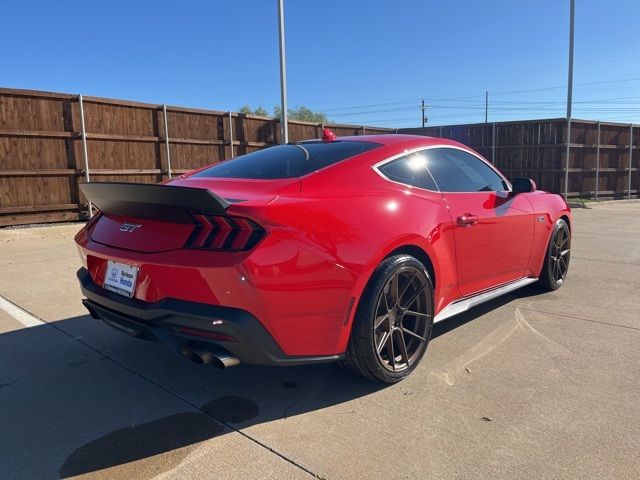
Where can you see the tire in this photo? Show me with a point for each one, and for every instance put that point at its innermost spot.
(388, 341)
(556, 260)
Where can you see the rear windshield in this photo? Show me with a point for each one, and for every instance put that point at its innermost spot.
(287, 161)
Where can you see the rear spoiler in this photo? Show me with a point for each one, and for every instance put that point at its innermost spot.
(153, 201)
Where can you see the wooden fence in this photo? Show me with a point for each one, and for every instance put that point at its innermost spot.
(50, 142)
(43, 137)
(603, 156)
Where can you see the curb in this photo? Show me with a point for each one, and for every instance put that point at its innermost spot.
(575, 204)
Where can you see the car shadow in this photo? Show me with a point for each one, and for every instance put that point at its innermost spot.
(108, 426)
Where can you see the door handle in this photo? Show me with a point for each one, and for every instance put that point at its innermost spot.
(467, 220)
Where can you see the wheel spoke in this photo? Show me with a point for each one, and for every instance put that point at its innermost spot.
(382, 342)
(379, 321)
(403, 348)
(384, 295)
(404, 290)
(390, 353)
(564, 252)
(393, 289)
(563, 268)
(413, 334)
(414, 295)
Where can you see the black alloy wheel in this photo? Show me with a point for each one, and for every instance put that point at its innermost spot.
(556, 265)
(402, 319)
(392, 326)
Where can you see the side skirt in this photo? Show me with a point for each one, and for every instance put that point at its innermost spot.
(465, 304)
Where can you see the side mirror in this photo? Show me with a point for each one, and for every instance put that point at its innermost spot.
(523, 185)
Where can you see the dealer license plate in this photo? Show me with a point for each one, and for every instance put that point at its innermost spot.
(120, 278)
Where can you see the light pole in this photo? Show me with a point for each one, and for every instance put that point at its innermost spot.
(569, 98)
(283, 76)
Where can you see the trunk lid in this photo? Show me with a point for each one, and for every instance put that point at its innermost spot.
(155, 218)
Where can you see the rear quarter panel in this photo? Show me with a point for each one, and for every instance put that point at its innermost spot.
(353, 217)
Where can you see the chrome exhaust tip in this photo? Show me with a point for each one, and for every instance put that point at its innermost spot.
(218, 359)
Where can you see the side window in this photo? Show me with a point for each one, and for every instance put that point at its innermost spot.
(411, 170)
(458, 171)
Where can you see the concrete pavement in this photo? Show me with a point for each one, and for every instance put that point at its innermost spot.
(531, 385)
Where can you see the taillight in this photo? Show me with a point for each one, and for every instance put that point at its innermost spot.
(219, 232)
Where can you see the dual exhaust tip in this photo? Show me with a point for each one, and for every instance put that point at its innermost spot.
(217, 357)
(220, 359)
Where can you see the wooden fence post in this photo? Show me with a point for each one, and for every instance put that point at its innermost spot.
(630, 157)
(493, 142)
(598, 163)
(522, 151)
(566, 160)
(538, 153)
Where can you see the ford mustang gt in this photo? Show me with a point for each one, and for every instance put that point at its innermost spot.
(338, 249)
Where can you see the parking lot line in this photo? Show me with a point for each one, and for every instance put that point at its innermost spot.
(22, 316)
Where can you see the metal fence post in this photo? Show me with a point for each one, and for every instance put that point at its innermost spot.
(166, 139)
(566, 160)
(85, 155)
(598, 163)
(630, 157)
(231, 133)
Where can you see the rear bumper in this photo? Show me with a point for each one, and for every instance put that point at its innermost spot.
(161, 321)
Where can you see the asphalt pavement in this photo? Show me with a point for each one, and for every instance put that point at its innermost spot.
(532, 385)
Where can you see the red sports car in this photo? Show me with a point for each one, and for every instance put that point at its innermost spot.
(346, 248)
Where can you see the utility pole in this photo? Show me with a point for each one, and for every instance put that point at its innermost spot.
(572, 6)
(486, 106)
(570, 80)
(422, 109)
(283, 76)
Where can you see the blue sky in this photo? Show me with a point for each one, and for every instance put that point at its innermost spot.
(361, 61)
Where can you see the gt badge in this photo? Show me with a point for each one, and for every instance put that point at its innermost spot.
(129, 227)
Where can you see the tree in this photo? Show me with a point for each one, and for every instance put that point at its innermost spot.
(260, 111)
(303, 113)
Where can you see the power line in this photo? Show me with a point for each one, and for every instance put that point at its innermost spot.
(476, 100)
